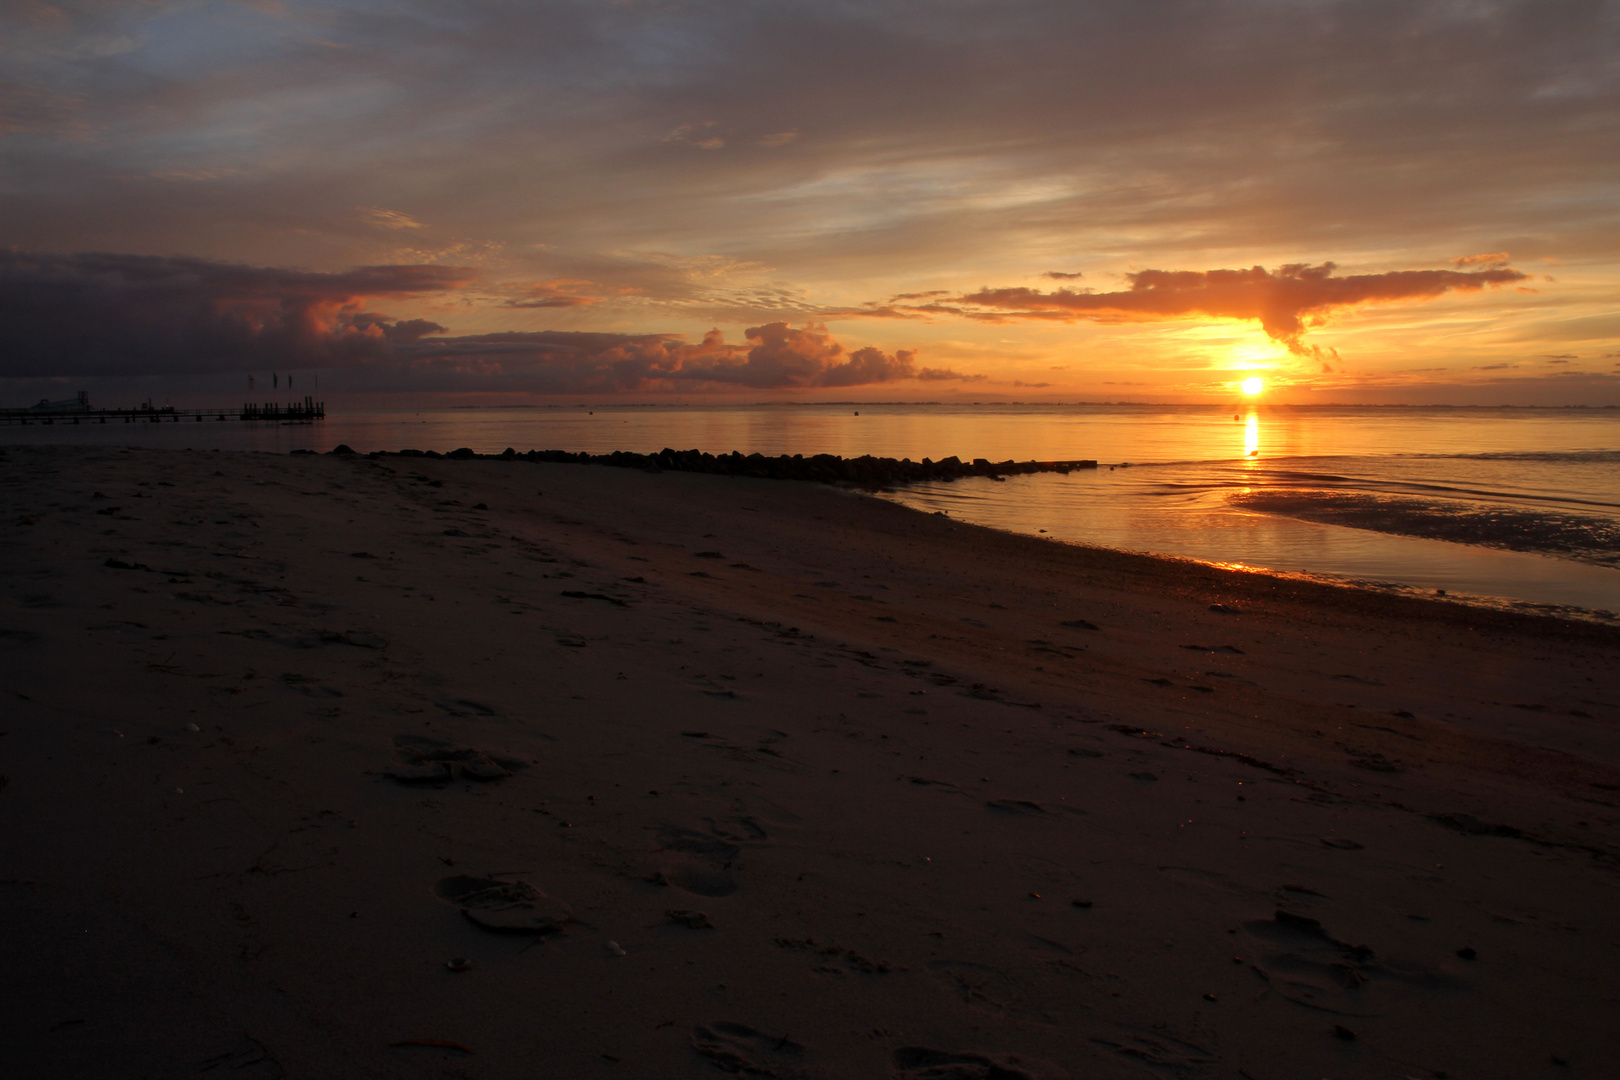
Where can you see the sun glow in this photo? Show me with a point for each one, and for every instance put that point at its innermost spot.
(1252, 386)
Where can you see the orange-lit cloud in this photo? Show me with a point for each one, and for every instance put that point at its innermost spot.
(1279, 301)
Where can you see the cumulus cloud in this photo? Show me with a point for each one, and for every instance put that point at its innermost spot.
(1280, 301)
(96, 314)
(778, 356)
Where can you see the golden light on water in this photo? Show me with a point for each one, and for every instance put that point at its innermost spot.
(1252, 385)
(1251, 435)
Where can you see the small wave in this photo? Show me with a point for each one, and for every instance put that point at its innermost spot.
(1404, 485)
(1588, 457)
(1575, 536)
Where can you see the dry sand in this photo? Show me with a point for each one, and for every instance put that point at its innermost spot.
(925, 800)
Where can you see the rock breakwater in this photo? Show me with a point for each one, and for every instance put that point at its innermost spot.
(865, 471)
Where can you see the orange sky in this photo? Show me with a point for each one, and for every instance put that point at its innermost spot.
(1035, 201)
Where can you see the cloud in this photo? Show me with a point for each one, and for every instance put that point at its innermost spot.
(1563, 357)
(1494, 259)
(783, 356)
(1280, 301)
(95, 314)
(1062, 276)
(565, 293)
(384, 218)
(777, 356)
(98, 315)
(967, 134)
(699, 135)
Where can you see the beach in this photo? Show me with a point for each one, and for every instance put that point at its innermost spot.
(797, 782)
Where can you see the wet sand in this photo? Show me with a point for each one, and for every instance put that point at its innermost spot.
(797, 782)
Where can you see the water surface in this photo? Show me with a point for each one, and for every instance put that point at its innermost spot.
(1516, 505)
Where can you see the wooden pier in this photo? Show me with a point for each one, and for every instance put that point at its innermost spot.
(296, 412)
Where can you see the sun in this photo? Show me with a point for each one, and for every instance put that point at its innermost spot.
(1252, 386)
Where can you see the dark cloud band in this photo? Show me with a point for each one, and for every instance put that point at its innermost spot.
(98, 314)
(122, 315)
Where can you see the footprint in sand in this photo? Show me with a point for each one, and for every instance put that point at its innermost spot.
(700, 862)
(835, 960)
(1310, 967)
(510, 907)
(985, 988)
(430, 761)
(1018, 807)
(434, 772)
(921, 1063)
(1157, 1049)
(738, 1048)
(697, 880)
(248, 1057)
(691, 841)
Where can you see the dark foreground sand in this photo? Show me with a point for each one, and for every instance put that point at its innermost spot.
(928, 801)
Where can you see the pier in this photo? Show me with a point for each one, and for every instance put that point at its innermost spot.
(79, 412)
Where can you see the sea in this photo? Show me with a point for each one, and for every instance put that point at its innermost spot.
(1507, 507)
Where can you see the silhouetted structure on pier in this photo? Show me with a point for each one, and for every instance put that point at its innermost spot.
(78, 411)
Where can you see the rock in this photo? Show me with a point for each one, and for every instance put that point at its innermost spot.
(865, 471)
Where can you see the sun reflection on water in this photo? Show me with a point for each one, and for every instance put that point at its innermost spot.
(1251, 435)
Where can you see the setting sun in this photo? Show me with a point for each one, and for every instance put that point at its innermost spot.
(1252, 386)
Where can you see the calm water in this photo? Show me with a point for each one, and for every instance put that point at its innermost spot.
(1515, 505)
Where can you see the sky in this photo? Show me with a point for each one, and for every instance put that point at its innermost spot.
(691, 200)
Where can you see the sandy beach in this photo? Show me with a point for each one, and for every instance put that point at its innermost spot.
(321, 766)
